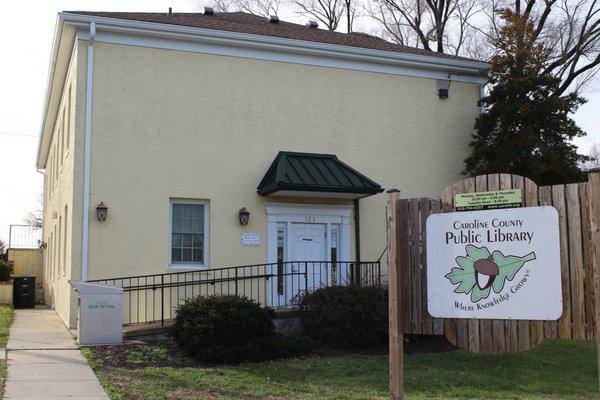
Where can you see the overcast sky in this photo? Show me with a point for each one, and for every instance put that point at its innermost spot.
(25, 46)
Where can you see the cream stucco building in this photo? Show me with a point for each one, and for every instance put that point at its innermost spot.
(173, 120)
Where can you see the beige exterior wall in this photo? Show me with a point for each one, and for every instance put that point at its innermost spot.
(62, 195)
(28, 262)
(169, 124)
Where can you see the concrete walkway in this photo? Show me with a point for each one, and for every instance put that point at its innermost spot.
(44, 362)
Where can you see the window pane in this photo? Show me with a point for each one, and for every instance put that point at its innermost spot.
(187, 225)
(176, 255)
(177, 210)
(176, 224)
(198, 211)
(186, 240)
(186, 255)
(280, 258)
(197, 240)
(176, 240)
(198, 256)
(198, 225)
(188, 211)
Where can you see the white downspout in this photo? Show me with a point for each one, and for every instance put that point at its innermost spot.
(87, 149)
(44, 254)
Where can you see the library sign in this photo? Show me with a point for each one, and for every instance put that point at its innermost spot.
(494, 264)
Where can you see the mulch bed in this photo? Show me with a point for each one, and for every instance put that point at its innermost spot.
(121, 356)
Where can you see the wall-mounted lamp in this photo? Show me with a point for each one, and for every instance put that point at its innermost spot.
(443, 88)
(101, 211)
(244, 216)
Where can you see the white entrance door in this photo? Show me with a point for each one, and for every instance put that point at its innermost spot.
(308, 254)
(309, 242)
(302, 240)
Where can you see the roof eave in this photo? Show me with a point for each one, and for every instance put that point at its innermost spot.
(51, 70)
(470, 67)
(269, 190)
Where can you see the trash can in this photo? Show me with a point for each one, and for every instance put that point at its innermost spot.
(100, 313)
(24, 291)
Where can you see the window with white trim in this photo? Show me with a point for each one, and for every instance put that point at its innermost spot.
(189, 233)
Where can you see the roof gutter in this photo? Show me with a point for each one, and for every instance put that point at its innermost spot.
(51, 72)
(223, 37)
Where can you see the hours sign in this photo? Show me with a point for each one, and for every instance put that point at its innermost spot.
(495, 264)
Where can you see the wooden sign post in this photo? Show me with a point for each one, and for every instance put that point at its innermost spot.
(396, 336)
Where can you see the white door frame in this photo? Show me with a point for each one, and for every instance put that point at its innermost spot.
(305, 213)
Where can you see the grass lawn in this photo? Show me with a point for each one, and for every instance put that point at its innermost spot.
(557, 369)
(6, 317)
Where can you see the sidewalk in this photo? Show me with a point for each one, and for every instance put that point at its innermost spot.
(44, 362)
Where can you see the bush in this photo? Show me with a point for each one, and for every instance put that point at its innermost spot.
(229, 329)
(4, 271)
(344, 317)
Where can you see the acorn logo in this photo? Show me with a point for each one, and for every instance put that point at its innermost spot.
(480, 272)
(486, 270)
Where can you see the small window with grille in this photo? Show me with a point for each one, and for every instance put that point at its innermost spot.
(189, 233)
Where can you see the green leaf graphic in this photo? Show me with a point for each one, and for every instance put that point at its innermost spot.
(509, 266)
(478, 294)
(464, 276)
(477, 253)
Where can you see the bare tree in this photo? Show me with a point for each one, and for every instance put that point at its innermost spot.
(221, 5)
(328, 12)
(570, 29)
(437, 25)
(262, 8)
(594, 158)
(35, 218)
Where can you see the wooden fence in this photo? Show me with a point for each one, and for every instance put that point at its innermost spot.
(408, 251)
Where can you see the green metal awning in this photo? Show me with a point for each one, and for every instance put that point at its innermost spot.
(315, 175)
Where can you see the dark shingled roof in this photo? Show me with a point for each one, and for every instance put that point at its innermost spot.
(252, 24)
(314, 173)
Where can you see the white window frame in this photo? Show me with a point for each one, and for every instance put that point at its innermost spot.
(206, 243)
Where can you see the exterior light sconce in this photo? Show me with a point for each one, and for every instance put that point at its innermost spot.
(101, 211)
(244, 216)
(443, 88)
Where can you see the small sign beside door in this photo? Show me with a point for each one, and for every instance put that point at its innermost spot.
(250, 239)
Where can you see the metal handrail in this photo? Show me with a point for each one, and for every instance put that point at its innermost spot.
(155, 297)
